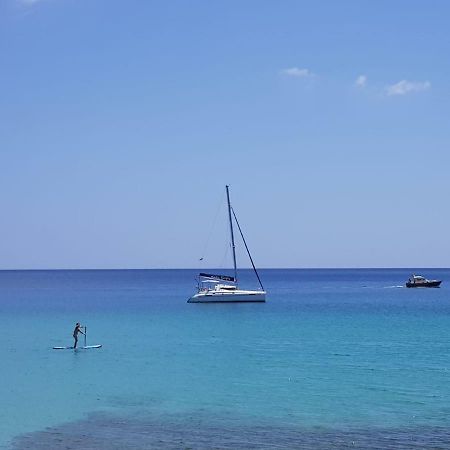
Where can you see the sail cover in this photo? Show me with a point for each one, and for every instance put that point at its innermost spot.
(217, 277)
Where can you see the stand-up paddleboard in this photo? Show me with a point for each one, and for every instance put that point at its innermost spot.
(85, 347)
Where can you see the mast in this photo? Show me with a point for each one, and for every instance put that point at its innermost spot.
(232, 235)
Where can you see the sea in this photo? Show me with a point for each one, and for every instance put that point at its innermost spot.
(335, 358)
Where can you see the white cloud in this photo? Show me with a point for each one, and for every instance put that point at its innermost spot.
(296, 72)
(406, 87)
(361, 81)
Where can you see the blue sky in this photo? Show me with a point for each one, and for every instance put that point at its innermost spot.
(121, 123)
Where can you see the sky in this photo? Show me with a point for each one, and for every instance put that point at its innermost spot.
(121, 122)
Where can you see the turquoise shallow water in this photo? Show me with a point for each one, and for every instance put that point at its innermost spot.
(335, 356)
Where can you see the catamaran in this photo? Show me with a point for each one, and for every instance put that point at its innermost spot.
(214, 288)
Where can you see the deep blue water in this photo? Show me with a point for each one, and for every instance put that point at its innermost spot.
(335, 358)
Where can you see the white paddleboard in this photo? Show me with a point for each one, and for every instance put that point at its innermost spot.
(87, 347)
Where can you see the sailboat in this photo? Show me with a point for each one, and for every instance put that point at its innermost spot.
(214, 288)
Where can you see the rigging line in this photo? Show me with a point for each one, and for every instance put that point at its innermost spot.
(246, 247)
(212, 227)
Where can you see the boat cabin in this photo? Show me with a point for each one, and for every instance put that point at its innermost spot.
(417, 279)
(215, 285)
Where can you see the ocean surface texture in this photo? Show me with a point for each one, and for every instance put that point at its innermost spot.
(333, 359)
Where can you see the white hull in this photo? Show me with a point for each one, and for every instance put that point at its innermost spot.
(212, 296)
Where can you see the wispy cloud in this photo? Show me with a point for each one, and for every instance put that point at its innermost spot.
(361, 81)
(406, 87)
(296, 72)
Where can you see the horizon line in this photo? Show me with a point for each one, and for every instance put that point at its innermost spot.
(217, 268)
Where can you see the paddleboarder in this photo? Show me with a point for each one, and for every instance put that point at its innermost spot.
(75, 333)
(83, 330)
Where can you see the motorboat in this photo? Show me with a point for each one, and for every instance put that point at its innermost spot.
(417, 281)
(214, 288)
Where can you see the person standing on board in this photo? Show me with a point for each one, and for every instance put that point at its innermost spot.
(75, 333)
